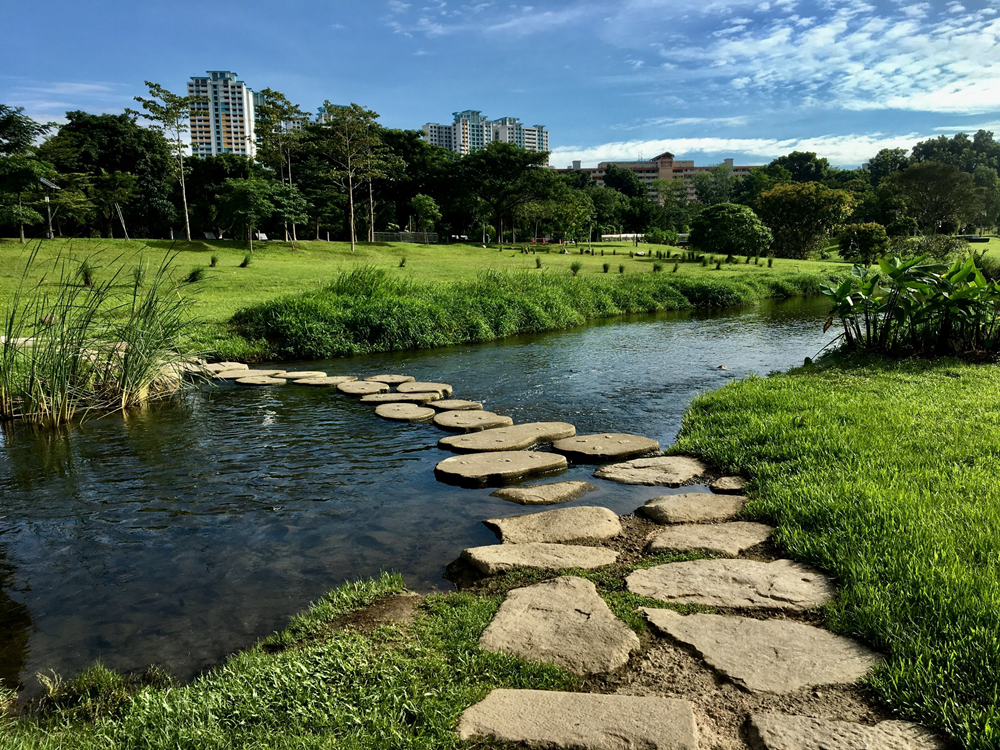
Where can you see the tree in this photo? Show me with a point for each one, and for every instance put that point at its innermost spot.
(278, 125)
(728, 228)
(886, 162)
(715, 185)
(960, 151)
(20, 175)
(801, 216)
(803, 166)
(171, 113)
(427, 211)
(625, 181)
(609, 208)
(937, 194)
(289, 205)
(205, 177)
(18, 132)
(863, 243)
(244, 204)
(988, 184)
(108, 192)
(760, 179)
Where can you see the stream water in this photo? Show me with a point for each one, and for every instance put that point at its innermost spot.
(181, 534)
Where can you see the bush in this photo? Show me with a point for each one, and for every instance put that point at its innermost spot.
(606, 267)
(621, 268)
(863, 243)
(657, 267)
(246, 261)
(196, 275)
(575, 267)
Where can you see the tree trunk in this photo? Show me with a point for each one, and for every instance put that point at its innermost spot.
(350, 204)
(184, 197)
(250, 238)
(371, 213)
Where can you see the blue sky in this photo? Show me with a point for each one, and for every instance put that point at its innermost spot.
(704, 79)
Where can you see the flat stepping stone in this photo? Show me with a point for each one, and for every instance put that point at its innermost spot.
(303, 374)
(362, 388)
(261, 380)
(457, 404)
(564, 622)
(496, 558)
(404, 412)
(326, 382)
(693, 507)
(768, 656)
(742, 584)
(414, 387)
(217, 367)
(544, 718)
(246, 373)
(596, 448)
(561, 526)
(391, 379)
(783, 732)
(729, 485)
(471, 421)
(715, 539)
(662, 471)
(513, 438)
(545, 494)
(482, 468)
(400, 398)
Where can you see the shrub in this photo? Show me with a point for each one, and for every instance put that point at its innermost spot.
(246, 261)
(677, 267)
(214, 262)
(575, 267)
(621, 268)
(538, 262)
(196, 275)
(657, 267)
(402, 262)
(606, 267)
(730, 228)
(863, 243)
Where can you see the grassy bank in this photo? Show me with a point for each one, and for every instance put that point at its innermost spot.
(885, 475)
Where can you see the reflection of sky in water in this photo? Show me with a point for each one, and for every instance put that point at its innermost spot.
(178, 535)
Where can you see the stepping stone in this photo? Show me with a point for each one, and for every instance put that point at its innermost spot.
(544, 718)
(768, 656)
(563, 621)
(443, 388)
(693, 507)
(743, 584)
(471, 421)
(400, 398)
(404, 412)
(391, 379)
(457, 404)
(326, 382)
(361, 388)
(597, 448)
(303, 375)
(729, 485)
(561, 526)
(496, 558)
(545, 494)
(715, 539)
(513, 438)
(662, 471)
(783, 732)
(224, 366)
(261, 380)
(482, 468)
(246, 373)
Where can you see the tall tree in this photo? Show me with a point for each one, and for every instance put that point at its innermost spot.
(279, 126)
(19, 176)
(886, 162)
(937, 194)
(803, 166)
(244, 204)
(988, 184)
(801, 216)
(715, 185)
(625, 181)
(18, 132)
(729, 228)
(171, 113)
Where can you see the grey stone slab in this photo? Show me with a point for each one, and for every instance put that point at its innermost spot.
(740, 584)
(715, 539)
(729, 485)
(216, 367)
(609, 446)
(563, 621)
(560, 526)
(767, 656)
(496, 558)
(362, 388)
(587, 721)
(246, 373)
(493, 467)
(404, 412)
(391, 379)
(471, 421)
(693, 507)
(545, 494)
(443, 388)
(661, 471)
(784, 732)
(457, 404)
(328, 382)
(400, 398)
(514, 438)
(260, 380)
(302, 374)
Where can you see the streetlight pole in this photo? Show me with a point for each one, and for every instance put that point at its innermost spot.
(48, 210)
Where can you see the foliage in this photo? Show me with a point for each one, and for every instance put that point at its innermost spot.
(716, 185)
(729, 228)
(244, 204)
(863, 243)
(427, 211)
(937, 194)
(18, 132)
(801, 216)
(624, 181)
(802, 166)
(987, 183)
(960, 151)
(886, 162)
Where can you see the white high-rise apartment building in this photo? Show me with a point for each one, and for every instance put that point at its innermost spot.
(224, 123)
(472, 131)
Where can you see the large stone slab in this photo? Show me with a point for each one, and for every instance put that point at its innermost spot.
(443, 388)
(391, 379)
(216, 367)
(662, 471)
(514, 438)
(545, 494)
(715, 539)
(260, 380)
(783, 732)
(496, 558)
(362, 388)
(693, 507)
(471, 421)
(303, 374)
(400, 398)
(404, 412)
(768, 656)
(246, 373)
(457, 404)
(561, 526)
(742, 584)
(563, 621)
(605, 447)
(729, 485)
(329, 382)
(483, 468)
(550, 719)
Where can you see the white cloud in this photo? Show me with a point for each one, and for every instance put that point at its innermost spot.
(654, 122)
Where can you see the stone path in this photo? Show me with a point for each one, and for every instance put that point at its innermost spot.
(391, 379)
(562, 526)
(414, 387)
(471, 421)
(260, 380)
(328, 382)
(483, 468)
(496, 558)
(246, 373)
(782, 732)
(605, 447)
(692, 507)
(362, 388)
(404, 412)
(545, 494)
(663, 471)
(457, 404)
(513, 438)
(303, 374)
(400, 398)
(715, 539)
(728, 485)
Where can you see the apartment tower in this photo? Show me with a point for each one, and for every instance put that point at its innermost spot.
(223, 123)
(471, 131)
